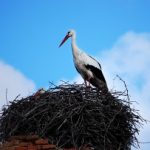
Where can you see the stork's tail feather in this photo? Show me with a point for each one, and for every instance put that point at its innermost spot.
(99, 84)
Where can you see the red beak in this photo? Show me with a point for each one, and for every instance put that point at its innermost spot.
(63, 41)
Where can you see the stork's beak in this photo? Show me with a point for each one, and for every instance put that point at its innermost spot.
(65, 39)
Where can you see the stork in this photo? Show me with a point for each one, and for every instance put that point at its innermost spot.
(89, 68)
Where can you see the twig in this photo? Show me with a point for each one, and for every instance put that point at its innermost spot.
(72, 115)
(6, 96)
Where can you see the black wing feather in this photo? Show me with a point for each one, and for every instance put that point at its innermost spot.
(97, 72)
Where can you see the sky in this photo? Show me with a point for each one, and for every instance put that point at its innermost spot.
(116, 32)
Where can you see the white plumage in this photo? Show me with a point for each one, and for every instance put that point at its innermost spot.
(88, 67)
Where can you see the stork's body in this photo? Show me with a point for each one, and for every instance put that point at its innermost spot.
(88, 67)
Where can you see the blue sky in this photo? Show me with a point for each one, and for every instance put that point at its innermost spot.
(116, 32)
(31, 31)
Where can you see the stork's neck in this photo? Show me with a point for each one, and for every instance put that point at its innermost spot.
(75, 50)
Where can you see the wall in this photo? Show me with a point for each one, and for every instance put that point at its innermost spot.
(30, 142)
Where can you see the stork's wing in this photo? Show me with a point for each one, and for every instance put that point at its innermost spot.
(95, 61)
(87, 59)
(97, 72)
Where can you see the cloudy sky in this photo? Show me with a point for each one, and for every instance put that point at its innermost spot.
(116, 32)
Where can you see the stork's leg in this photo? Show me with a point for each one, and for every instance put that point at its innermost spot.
(89, 78)
(85, 83)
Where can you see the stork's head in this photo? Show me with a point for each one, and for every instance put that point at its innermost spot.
(69, 34)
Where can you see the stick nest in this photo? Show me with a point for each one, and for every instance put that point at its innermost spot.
(73, 115)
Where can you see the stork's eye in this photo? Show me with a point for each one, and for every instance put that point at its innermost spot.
(69, 32)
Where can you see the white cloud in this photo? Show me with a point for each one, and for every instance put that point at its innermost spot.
(130, 59)
(15, 83)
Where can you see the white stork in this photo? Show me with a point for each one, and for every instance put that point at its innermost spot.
(87, 66)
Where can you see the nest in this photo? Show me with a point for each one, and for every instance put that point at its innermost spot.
(73, 116)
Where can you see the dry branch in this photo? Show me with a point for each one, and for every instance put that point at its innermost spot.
(72, 115)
